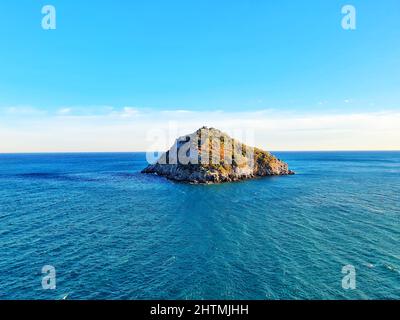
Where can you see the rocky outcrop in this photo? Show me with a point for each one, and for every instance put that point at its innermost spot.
(211, 156)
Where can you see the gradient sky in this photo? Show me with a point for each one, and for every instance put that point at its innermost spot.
(112, 69)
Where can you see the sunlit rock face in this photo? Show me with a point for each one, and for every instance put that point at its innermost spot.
(211, 156)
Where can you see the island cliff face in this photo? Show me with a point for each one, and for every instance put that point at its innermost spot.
(211, 156)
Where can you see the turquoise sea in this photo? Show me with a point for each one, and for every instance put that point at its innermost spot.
(114, 233)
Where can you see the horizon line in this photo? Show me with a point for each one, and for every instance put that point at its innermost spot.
(110, 152)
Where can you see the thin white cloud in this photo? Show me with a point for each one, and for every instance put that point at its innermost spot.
(126, 112)
(64, 111)
(134, 129)
(21, 111)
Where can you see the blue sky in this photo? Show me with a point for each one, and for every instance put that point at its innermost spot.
(107, 57)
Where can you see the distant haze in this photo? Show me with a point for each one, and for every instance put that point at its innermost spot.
(129, 129)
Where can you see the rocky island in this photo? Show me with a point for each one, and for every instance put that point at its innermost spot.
(211, 156)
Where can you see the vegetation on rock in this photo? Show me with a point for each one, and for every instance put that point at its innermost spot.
(211, 156)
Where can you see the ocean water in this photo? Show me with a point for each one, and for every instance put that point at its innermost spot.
(114, 233)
